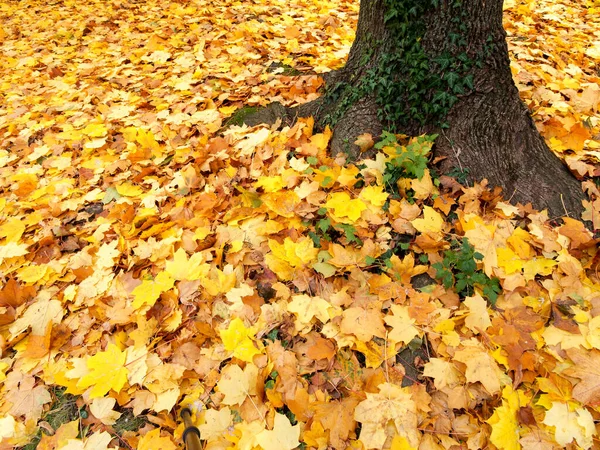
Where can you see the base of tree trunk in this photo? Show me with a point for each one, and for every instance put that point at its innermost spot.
(494, 136)
(430, 67)
(489, 135)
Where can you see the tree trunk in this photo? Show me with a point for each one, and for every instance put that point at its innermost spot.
(442, 66)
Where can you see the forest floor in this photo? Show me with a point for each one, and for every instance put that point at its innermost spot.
(155, 255)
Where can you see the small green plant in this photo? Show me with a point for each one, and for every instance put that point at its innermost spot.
(324, 230)
(408, 161)
(459, 270)
(383, 262)
(271, 380)
(460, 174)
(276, 335)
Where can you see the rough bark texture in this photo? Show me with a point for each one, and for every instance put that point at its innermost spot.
(490, 131)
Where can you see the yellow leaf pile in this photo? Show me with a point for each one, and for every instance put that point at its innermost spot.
(153, 257)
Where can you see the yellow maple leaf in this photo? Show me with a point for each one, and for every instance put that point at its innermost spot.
(505, 427)
(61, 437)
(149, 291)
(283, 436)
(282, 203)
(431, 222)
(403, 330)
(238, 340)
(480, 366)
(374, 195)
(326, 176)
(401, 443)
(571, 424)
(281, 268)
(363, 323)
(39, 315)
(146, 140)
(538, 266)
(478, 319)
(342, 206)
(557, 336)
(129, 133)
(252, 141)
(95, 441)
(237, 384)
(102, 409)
(182, 268)
(290, 255)
(346, 256)
(424, 187)
(33, 273)
(235, 297)
(365, 142)
(374, 354)
(107, 253)
(95, 143)
(95, 130)
(137, 362)
(58, 373)
(391, 404)
(481, 237)
(270, 184)
(347, 176)
(12, 249)
(106, 371)
(12, 229)
(152, 440)
(299, 253)
(307, 308)
(218, 281)
(245, 434)
(129, 190)
(509, 260)
(443, 372)
(3, 367)
(216, 423)
(321, 140)
(317, 436)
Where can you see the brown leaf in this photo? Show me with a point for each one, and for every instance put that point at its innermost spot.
(587, 369)
(575, 230)
(321, 349)
(365, 142)
(12, 294)
(525, 416)
(338, 418)
(363, 323)
(26, 398)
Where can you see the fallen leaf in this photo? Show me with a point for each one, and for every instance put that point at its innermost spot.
(391, 403)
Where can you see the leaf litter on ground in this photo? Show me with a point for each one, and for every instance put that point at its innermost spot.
(152, 259)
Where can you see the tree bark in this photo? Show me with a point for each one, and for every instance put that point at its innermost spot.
(489, 129)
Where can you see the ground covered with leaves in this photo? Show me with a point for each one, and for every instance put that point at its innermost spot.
(154, 257)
